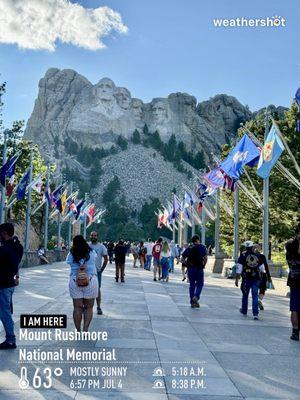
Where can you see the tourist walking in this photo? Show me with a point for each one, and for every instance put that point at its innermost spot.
(101, 252)
(110, 251)
(183, 263)
(11, 252)
(120, 257)
(135, 253)
(249, 267)
(83, 284)
(293, 259)
(173, 254)
(142, 254)
(196, 258)
(165, 261)
(156, 259)
(149, 247)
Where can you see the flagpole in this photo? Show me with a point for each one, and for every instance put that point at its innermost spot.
(193, 222)
(3, 188)
(28, 207)
(203, 226)
(84, 219)
(265, 233)
(174, 231)
(70, 223)
(217, 224)
(59, 225)
(236, 225)
(46, 213)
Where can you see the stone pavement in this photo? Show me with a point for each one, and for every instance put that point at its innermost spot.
(212, 353)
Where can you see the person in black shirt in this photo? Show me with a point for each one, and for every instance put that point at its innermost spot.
(11, 253)
(195, 257)
(250, 269)
(120, 256)
(293, 258)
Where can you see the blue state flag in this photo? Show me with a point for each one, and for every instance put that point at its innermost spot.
(188, 199)
(245, 152)
(270, 153)
(8, 169)
(22, 185)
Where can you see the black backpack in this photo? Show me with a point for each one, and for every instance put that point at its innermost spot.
(194, 258)
(251, 266)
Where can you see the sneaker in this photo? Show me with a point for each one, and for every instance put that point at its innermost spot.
(99, 311)
(295, 334)
(260, 305)
(255, 317)
(122, 280)
(154, 279)
(241, 311)
(183, 279)
(7, 346)
(117, 279)
(196, 302)
(160, 278)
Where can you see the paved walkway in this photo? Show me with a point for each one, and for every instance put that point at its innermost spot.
(213, 352)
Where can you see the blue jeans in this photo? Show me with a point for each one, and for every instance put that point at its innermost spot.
(148, 262)
(246, 285)
(196, 278)
(6, 315)
(165, 264)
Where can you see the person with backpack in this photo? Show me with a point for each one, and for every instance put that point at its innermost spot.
(83, 283)
(195, 257)
(156, 259)
(250, 268)
(142, 254)
(293, 258)
(11, 253)
(120, 258)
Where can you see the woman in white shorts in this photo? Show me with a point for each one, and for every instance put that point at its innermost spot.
(83, 296)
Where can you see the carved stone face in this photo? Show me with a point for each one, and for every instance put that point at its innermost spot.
(123, 98)
(105, 89)
(137, 108)
(159, 111)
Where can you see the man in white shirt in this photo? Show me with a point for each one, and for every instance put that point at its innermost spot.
(101, 252)
(149, 246)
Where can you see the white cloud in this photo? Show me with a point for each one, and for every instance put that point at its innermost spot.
(39, 24)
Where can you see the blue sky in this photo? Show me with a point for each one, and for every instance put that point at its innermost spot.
(172, 45)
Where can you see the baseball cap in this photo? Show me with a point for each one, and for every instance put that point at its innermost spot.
(248, 243)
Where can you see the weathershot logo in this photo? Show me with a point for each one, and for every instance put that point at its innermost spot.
(242, 22)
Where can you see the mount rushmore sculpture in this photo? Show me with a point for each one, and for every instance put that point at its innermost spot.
(70, 107)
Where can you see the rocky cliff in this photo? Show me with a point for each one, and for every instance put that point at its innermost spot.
(70, 109)
(69, 106)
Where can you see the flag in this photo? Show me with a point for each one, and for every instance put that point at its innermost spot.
(186, 216)
(22, 185)
(61, 202)
(78, 208)
(270, 153)
(39, 185)
(214, 178)
(176, 208)
(49, 197)
(10, 186)
(245, 152)
(8, 169)
(90, 214)
(188, 200)
(297, 98)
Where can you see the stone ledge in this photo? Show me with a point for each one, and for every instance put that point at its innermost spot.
(31, 259)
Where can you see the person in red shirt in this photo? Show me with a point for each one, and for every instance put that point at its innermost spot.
(156, 251)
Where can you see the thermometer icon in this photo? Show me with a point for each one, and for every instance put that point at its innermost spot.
(24, 382)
